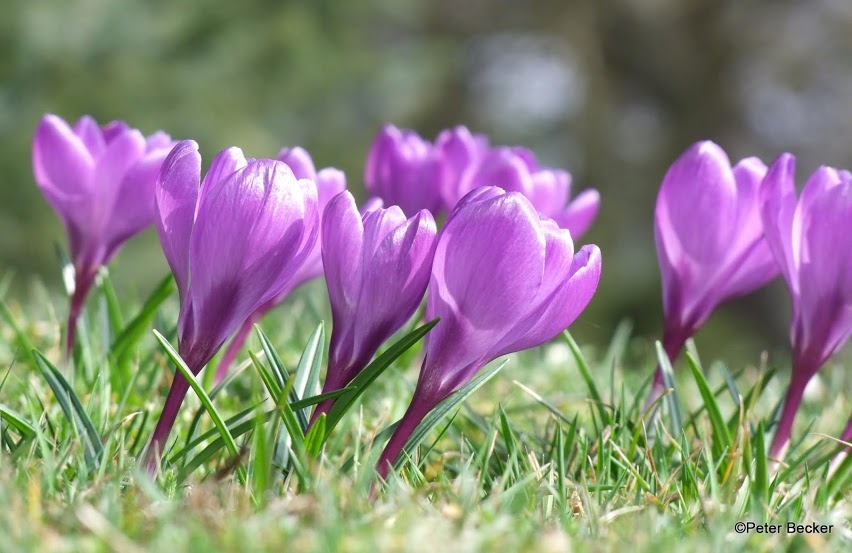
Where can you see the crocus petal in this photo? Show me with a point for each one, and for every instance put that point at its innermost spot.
(226, 163)
(120, 155)
(342, 240)
(62, 165)
(501, 167)
(580, 213)
(778, 207)
(299, 161)
(91, 134)
(176, 198)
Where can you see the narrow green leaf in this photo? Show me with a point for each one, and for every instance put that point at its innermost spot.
(366, 377)
(308, 370)
(316, 437)
(671, 401)
(116, 320)
(17, 421)
(205, 400)
(125, 344)
(761, 469)
(73, 409)
(442, 409)
(721, 437)
(586, 373)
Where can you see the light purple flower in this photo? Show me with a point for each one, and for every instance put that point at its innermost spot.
(515, 169)
(329, 182)
(233, 241)
(709, 238)
(810, 240)
(504, 279)
(377, 267)
(100, 181)
(404, 170)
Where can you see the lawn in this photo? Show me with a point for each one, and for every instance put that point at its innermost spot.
(554, 453)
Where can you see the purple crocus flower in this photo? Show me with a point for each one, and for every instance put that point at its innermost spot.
(100, 181)
(404, 170)
(376, 267)
(330, 182)
(234, 241)
(504, 279)
(515, 169)
(709, 238)
(809, 238)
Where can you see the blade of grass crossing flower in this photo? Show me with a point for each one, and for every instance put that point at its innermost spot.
(279, 371)
(73, 409)
(366, 377)
(671, 400)
(205, 401)
(445, 407)
(721, 437)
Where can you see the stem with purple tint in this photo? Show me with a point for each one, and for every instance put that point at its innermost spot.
(83, 281)
(234, 347)
(673, 343)
(180, 386)
(417, 410)
(802, 373)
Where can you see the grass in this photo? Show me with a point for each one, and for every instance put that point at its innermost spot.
(552, 454)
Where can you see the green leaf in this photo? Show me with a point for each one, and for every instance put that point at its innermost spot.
(366, 377)
(761, 470)
(586, 373)
(671, 400)
(205, 401)
(307, 372)
(442, 409)
(125, 344)
(721, 437)
(111, 299)
(73, 409)
(316, 437)
(17, 422)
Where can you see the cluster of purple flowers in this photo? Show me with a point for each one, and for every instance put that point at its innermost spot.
(502, 272)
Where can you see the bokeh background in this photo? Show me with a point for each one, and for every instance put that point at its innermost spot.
(611, 90)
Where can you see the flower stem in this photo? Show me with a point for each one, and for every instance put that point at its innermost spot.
(417, 410)
(673, 343)
(83, 281)
(166, 422)
(795, 391)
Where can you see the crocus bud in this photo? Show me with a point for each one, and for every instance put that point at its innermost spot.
(504, 279)
(100, 181)
(460, 152)
(403, 169)
(709, 238)
(329, 182)
(515, 169)
(376, 268)
(233, 242)
(809, 238)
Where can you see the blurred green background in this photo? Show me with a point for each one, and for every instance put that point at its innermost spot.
(611, 90)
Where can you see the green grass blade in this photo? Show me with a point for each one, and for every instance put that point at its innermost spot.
(124, 345)
(671, 401)
(205, 400)
(17, 422)
(308, 369)
(366, 377)
(73, 409)
(445, 407)
(586, 373)
(721, 436)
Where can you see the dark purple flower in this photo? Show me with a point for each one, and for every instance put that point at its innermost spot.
(100, 181)
(504, 279)
(709, 238)
(234, 241)
(376, 268)
(329, 182)
(810, 240)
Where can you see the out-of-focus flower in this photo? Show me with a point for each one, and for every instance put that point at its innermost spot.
(515, 169)
(329, 182)
(810, 240)
(504, 279)
(100, 181)
(234, 241)
(709, 237)
(376, 267)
